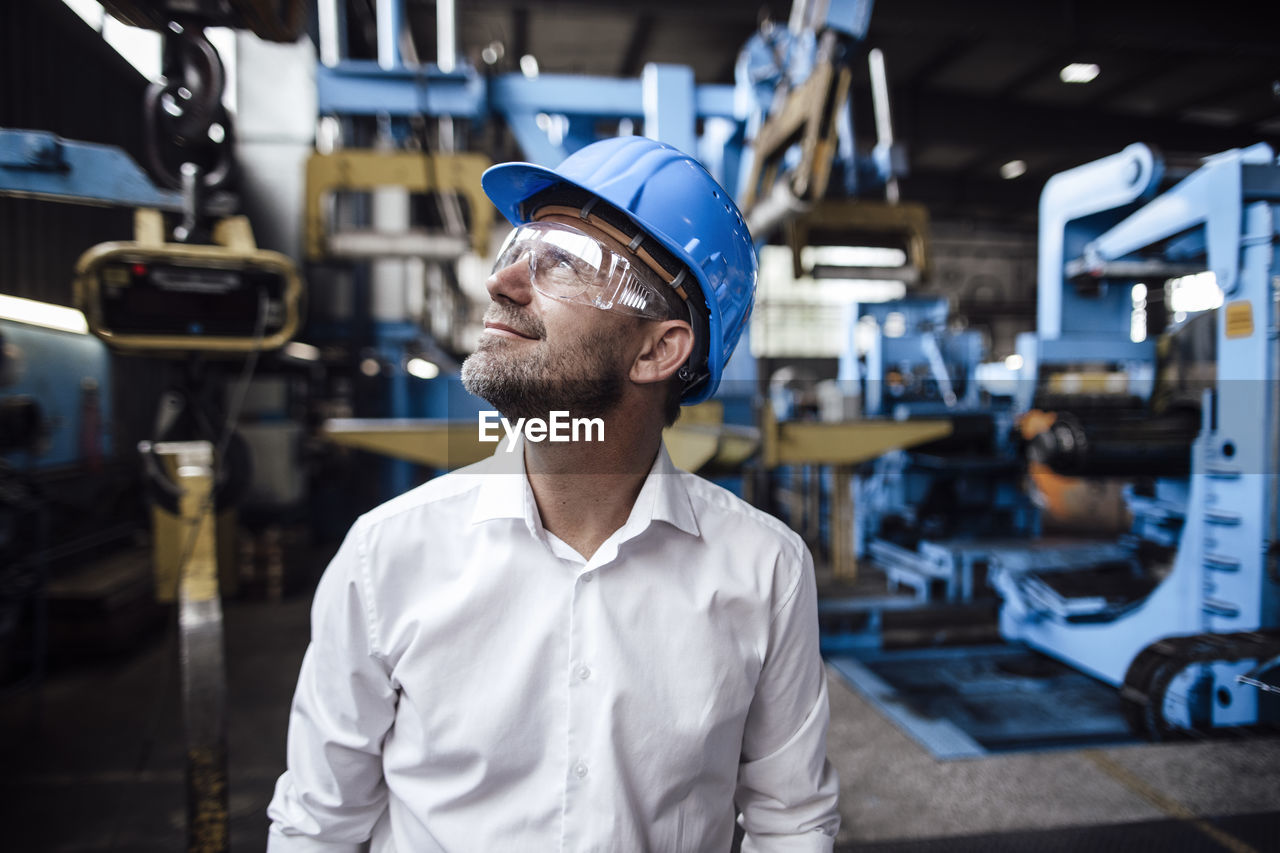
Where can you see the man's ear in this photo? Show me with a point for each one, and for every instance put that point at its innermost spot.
(666, 345)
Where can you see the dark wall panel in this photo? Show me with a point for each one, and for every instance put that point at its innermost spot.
(58, 75)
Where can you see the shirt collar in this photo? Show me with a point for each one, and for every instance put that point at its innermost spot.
(505, 493)
(503, 485)
(670, 498)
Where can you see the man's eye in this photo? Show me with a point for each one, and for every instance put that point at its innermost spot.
(563, 263)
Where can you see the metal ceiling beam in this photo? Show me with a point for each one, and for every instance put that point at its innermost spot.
(1179, 25)
(955, 119)
(519, 33)
(958, 193)
(1153, 69)
(1233, 28)
(1047, 67)
(736, 33)
(941, 58)
(1237, 86)
(637, 45)
(704, 10)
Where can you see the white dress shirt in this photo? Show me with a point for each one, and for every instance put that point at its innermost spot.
(474, 684)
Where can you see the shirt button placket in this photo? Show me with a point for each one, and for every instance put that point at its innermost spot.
(580, 712)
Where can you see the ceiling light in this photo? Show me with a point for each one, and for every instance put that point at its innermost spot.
(1013, 362)
(43, 314)
(1078, 72)
(1198, 292)
(422, 368)
(852, 256)
(301, 351)
(492, 52)
(1013, 169)
(529, 66)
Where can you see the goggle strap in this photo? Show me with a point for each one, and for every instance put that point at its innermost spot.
(585, 214)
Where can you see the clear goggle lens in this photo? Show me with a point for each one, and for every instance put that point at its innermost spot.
(571, 265)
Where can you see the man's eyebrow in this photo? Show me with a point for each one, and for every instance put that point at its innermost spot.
(559, 252)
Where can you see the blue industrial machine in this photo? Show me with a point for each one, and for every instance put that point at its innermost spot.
(55, 446)
(1181, 612)
(929, 515)
(914, 365)
(1082, 323)
(55, 398)
(1179, 609)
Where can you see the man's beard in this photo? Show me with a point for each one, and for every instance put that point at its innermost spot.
(582, 378)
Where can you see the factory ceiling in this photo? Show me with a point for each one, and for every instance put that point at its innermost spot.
(975, 85)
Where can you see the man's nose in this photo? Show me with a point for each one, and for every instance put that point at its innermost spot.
(512, 282)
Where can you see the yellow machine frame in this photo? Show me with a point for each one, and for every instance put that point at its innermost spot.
(362, 170)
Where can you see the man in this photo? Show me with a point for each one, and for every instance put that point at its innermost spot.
(574, 646)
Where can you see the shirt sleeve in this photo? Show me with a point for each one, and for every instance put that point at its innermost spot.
(787, 790)
(333, 791)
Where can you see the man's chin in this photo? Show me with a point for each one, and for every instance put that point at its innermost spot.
(514, 400)
(517, 384)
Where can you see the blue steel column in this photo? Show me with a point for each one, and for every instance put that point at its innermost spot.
(390, 18)
(667, 94)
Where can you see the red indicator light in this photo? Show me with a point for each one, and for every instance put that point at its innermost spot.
(139, 269)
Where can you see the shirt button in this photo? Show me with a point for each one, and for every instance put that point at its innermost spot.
(588, 577)
(584, 672)
(580, 770)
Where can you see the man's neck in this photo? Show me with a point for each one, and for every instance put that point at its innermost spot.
(585, 490)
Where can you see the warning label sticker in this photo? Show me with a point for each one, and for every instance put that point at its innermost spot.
(1239, 319)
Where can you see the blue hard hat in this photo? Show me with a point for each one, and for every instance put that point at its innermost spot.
(670, 197)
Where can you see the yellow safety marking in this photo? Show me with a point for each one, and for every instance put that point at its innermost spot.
(1239, 319)
(1165, 803)
(207, 790)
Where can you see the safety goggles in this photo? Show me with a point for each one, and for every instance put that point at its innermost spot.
(573, 266)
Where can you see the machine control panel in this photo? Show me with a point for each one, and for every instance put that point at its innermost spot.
(188, 298)
(143, 298)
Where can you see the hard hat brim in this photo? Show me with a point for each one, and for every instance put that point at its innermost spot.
(508, 185)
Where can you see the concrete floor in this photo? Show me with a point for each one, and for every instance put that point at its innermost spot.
(893, 789)
(98, 766)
